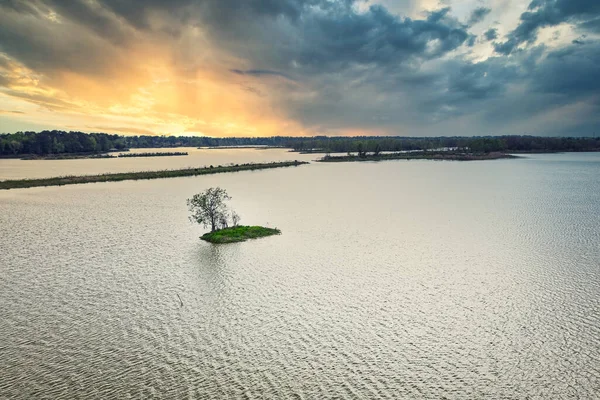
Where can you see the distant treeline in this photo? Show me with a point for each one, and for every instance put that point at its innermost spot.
(59, 142)
(473, 144)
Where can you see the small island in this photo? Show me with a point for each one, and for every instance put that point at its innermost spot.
(209, 209)
(239, 233)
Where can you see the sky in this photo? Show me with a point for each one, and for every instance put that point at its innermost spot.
(301, 67)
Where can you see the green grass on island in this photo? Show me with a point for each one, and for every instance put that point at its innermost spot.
(239, 234)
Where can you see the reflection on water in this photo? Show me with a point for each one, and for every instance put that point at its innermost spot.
(390, 280)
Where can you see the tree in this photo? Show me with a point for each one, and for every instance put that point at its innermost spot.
(235, 218)
(377, 149)
(209, 209)
(360, 150)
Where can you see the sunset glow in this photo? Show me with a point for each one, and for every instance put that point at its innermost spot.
(216, 68)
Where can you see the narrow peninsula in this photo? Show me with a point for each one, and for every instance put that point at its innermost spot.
(158, 154)
(125, 176)
(420, 155)
(239, 234)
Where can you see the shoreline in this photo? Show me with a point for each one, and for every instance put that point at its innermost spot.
(63, 156)
(433, 156)
(126, 176)
(236, 234)
(101, 155)
(241, 147)
(156, 154)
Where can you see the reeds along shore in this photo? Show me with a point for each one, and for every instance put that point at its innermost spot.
(72, 180)
(159, 154)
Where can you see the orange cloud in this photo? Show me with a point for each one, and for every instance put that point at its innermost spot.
(156, 95)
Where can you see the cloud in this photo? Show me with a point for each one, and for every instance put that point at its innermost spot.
(478, 15)
(324, 35)
(120, 129)
(573, 70)
(491, 34)
(592, 25)
(266, 67)
(260, 73)
(545, 13)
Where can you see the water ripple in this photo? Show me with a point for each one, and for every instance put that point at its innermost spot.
(477, 280)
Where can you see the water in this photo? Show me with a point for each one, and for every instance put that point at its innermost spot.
(400, 279)
(27, 169)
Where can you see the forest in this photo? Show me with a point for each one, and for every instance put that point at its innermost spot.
(61, 142)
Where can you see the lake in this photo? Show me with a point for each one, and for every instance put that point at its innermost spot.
(12, 168)
(398, 279)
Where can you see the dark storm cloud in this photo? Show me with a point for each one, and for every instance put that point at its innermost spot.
(96, 18)
(337, 39)
(22, 7)
(491, 34)
(465, 85)
(221, 12)
(570, 71)
(479, 80)
(478, 15)
(591, 26)
(325, 35)
(547, 82)
(259, 73)
(350, 69)
(543, 13)
(46, 42)
(313, 33)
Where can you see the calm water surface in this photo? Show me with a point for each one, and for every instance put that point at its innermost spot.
(397, 279)
(26, 169)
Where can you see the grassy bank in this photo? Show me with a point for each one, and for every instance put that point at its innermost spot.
(99, 155)
(71, 180)
(159, 154)
(240, 147)
(238, 234)
(64, 156)
(429, 155)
